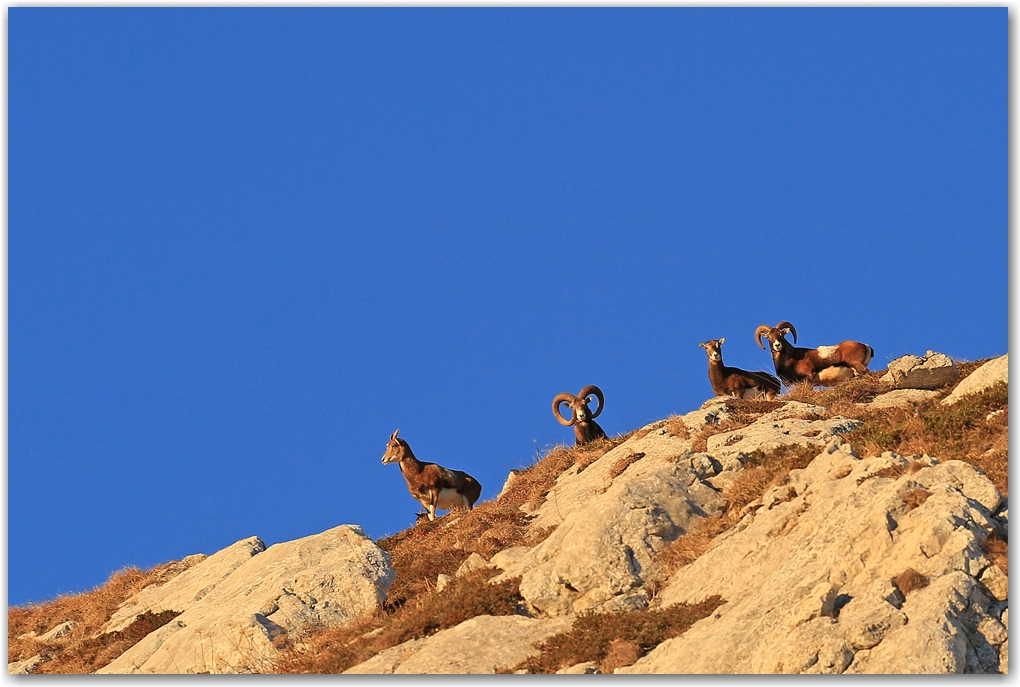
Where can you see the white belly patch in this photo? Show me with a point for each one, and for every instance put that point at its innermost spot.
(450, 499)
(826, 351)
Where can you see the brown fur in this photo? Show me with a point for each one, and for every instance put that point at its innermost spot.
(732, 381)
(581, 417)
(426, 481)
(794, 364)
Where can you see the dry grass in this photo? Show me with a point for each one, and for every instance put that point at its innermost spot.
(421, 553)
(841, 399)
(623, 463)
(762, 471)
(909, 580)
(613, 640)
(960, 431)
(84, 650)
(91, 654)
(335, 650)
(675, 427)
(998, 551)
(915, 497)
(897, 471)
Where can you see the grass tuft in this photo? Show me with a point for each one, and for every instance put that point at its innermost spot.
(614, 640)
(909, 580)
(337, 649)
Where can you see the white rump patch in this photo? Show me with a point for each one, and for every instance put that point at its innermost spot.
(826, 351)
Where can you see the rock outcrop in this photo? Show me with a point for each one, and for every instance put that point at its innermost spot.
(812, 581)
(794, 424)
(483, 644)
(901, 397)
(931, 371)
(256, 597)
(988, 375)
(853, 564)
(613, 516)
(189, 587)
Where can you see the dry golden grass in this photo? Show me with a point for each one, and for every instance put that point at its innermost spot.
(957, 432)
(623, 463)
(998, 551)
(83, 650)
(335, 650)
(762, 471)
(613, 640)
(909, 580)
(675, 427)
(915, 497)
(841, 399)
(91, 654)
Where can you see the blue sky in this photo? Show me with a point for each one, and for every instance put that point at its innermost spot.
(245, 245)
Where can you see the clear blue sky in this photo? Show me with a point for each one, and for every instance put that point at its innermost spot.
(245, 245)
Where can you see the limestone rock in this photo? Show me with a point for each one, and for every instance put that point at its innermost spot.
(996, 581)
(58, 632)
(808, 582)
(326, 579)
(483, 644)
(900, 397)
(507, 557)
(932, 371)
(986, 376)
(24, 667)
(442, 582)
(509, 480)
(190, 586)
(586, 668)
(794, 424)
(473, 562)
(574, 489)
(599, 555)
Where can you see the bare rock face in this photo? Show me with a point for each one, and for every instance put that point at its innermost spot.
(483, 644)
(794, 424)
(190, 586)
(932, 371)
(610, 519)
(988, 375)
(901, 397)
(24, 667)
(58, 632)
(810, 578)
(236, 625)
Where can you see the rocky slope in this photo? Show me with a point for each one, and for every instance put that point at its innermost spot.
(842, 559)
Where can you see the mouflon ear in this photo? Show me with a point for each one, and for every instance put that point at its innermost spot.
(722, 341)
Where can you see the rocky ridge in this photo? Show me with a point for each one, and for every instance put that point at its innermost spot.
(855, 563)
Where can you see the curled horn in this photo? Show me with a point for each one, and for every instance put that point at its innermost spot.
(786, 325)
(563, 398)
(764, 329)
(592, 389)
